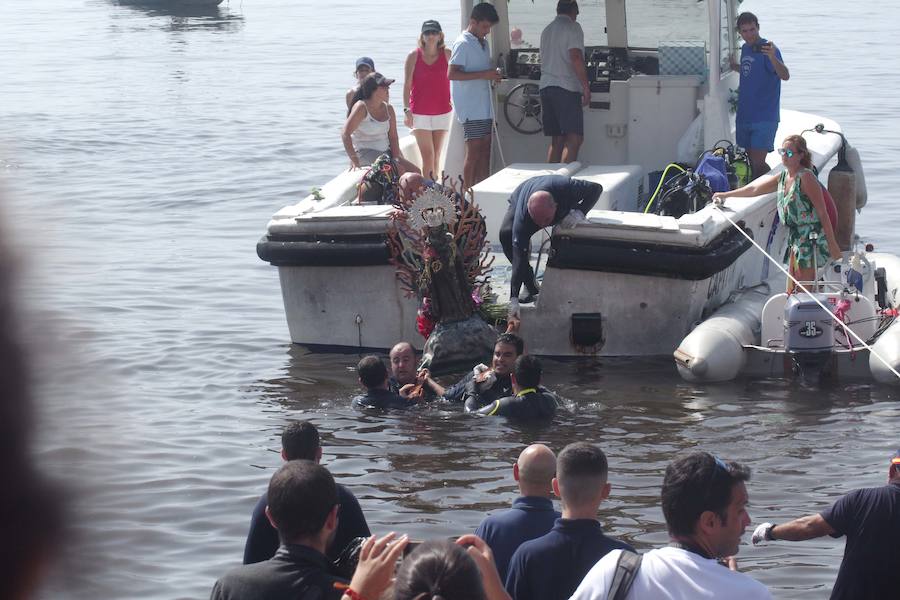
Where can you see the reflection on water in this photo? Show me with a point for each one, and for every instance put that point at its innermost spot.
(187, 15)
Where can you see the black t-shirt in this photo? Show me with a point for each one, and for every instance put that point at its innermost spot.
(870, 518)
(262, 539)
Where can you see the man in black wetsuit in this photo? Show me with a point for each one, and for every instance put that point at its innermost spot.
(300, 441)
(536, 203)
(373, 375)
(529, 399)
(484, 384)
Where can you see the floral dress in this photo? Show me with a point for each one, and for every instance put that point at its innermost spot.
(796, 211)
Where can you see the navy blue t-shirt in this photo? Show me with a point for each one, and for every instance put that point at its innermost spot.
(552, 566)
(530, 517)
(262, 539)
(870, 518)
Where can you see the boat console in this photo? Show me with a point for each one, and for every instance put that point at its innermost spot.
(603, 64)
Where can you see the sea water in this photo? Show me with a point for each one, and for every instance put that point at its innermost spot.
(143, 150)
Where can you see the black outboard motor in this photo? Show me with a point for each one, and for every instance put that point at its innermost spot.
(808, 335)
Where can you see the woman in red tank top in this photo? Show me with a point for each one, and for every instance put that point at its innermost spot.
(426, 96)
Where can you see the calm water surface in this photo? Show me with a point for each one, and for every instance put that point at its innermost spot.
(144, 151)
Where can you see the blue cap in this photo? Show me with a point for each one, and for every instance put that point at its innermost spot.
(365, 60)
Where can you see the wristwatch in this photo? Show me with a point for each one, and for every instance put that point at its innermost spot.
(406, 109)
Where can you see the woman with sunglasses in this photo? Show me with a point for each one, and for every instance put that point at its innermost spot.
(801, 208)
(426, 95)
(371, 127)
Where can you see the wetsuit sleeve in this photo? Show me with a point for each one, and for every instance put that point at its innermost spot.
(457, 391)
(496, 408)
(262, 539)
(587, 193)
(522, 231)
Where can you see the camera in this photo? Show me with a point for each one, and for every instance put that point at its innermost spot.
(760, 46)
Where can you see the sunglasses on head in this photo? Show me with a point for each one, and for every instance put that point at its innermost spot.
(786, 152)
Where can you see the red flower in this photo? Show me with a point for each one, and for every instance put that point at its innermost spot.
(424, 324)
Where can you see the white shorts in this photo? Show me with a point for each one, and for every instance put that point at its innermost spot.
(432, 122)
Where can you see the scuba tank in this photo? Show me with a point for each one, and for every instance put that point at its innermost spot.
(855, 163)
(842, 187)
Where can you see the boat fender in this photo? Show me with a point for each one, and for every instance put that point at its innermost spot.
(855, 163)
(842, 187)
(881, 287)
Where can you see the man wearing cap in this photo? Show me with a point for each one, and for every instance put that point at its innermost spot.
(870, 518)
(540, 202)
(364, 66)
(564, 84)
(471, 73)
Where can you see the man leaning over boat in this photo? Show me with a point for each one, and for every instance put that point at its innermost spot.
(536, 203)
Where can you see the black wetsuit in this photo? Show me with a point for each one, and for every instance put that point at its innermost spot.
(379, 398)
(518, 227)
(527, 404)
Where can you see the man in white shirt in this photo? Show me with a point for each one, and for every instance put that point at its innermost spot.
(471, 73)
(564, 84)
(704, 502)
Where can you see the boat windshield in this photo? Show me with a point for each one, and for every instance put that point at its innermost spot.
(652, 23)
(527, 20)
(649, 22)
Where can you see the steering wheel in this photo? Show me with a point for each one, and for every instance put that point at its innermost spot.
(522, 108)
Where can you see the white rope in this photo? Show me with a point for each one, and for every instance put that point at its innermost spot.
(843, 325)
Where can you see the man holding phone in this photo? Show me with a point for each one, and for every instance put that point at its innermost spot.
(762, 71)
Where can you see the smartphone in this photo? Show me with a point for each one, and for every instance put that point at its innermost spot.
(760, 47)
(410, 546)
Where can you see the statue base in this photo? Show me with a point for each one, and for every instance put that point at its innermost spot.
(459, 345)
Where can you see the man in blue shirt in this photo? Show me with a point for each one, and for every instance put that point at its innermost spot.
(551, 567)
(471, 73)
(536, 203)
(759, 98)
(870, 518)
(532, 513)
(300, 441)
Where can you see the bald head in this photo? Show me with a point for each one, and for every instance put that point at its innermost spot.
(542, 208)
(535, 470)
(403, 363)
(411, 184)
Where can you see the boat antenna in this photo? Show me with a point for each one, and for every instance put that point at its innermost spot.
(840, 323)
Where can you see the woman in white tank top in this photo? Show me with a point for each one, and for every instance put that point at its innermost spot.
(371, 126)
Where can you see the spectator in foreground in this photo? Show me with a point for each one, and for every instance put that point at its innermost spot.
(704, 502)
(300, 441)
(532, 513)
(551, 566)
(437, 569)
(870, 518)
(303, 507)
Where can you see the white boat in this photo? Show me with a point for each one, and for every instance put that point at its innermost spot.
(626, 283)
